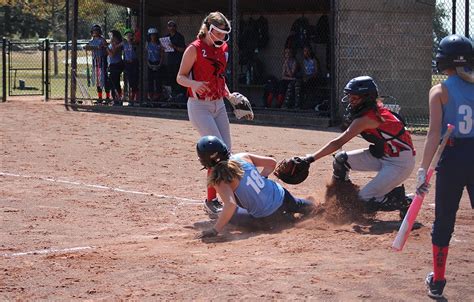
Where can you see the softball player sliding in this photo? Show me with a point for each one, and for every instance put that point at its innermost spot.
(391, 153)
(250, 198)
(202, 71)
(98, 45)
(451, 102)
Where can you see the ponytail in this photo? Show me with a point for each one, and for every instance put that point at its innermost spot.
(225, 171)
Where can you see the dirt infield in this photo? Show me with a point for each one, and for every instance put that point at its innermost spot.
(106, 207)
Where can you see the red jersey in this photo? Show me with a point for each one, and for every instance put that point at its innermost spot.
(210, 66)
(391, 136)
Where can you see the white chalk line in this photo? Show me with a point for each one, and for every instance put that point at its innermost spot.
(187, 201)
(50, 251)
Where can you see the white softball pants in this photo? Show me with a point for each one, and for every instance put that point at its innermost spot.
(393, 171)
(210, 118)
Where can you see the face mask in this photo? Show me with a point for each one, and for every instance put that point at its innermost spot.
(218, 42)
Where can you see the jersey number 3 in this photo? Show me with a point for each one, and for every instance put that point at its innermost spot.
(465, 126)
(255, 180)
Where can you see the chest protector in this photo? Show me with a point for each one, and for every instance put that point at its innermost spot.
(391, 137)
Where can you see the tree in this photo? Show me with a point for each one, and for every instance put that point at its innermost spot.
(34, 18)
(440, 23)
(47, 18)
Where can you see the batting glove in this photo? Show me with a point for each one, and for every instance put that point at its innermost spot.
(421, 186)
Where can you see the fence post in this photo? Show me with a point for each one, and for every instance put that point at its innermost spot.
(466, 19)
(66, 64)
(46, 71)
(55, 58)
(75, 12)
(4, 69)
(453, 23)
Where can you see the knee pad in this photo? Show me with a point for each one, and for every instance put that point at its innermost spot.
(340, 166)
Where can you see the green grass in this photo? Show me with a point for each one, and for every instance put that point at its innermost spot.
(32, 78)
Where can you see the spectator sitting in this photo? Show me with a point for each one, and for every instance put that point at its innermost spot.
(288, 89)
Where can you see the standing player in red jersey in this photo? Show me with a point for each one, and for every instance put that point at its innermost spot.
(391, 152)
(202, 72)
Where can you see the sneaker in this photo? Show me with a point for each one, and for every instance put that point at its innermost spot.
(435, 288)
(213, 207)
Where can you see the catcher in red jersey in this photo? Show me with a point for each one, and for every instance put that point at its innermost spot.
(202, 72)
(391, 152)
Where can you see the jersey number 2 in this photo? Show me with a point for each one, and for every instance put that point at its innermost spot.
(465, 126)
(255, 181)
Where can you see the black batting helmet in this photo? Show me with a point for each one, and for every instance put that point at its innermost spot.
(211, 150)
(454, 51)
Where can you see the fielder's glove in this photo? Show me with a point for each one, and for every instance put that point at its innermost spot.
(293, 170)
(241, 105)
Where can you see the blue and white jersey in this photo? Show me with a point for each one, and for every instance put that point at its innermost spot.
(459, 111)
(153, 51)
(129, 53)
(260, 196)
(116, 58)
(97, 42)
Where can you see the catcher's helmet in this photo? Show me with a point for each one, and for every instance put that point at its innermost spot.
(365, 87)
(96, 27)
(211, 150)
(454, 51)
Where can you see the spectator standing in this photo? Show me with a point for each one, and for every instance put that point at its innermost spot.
(174, 57)
(98, 46)
(131, 64)
(115, 61)
(290, 82)
(155, 64)
(310, 74)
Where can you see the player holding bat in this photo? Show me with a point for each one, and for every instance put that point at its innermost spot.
(451, 102)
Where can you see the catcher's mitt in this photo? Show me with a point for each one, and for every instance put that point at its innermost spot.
(241, 105)
(292, 170)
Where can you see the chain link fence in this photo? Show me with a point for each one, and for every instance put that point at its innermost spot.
(451, 17)
(397, 48)
(389, 50)
(296, 61)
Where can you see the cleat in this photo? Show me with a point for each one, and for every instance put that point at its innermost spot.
(435, 288)
(213, 207)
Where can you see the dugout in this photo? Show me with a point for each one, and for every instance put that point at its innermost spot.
(388, 40)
